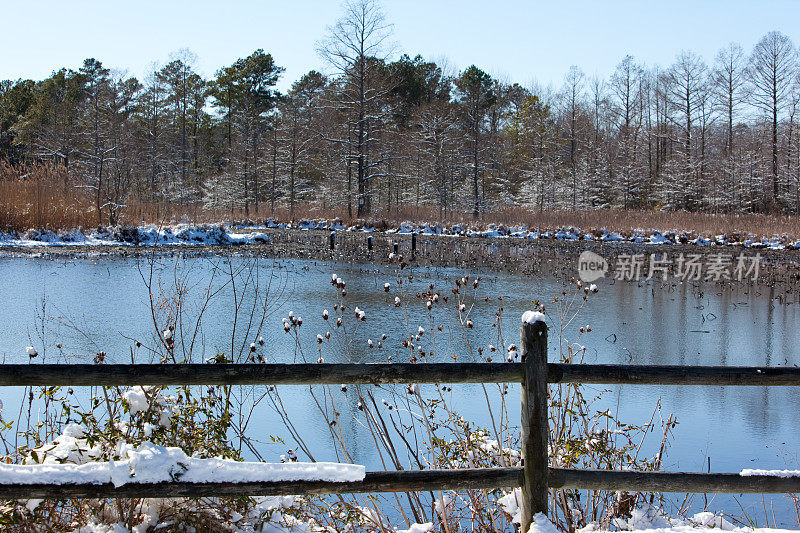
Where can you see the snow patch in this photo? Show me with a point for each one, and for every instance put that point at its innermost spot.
(531, 317)
(149, 463)
(775, 473)
(541, 524)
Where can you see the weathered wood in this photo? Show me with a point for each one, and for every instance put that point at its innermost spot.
(534, 430)
(393, 481)
(424, 480)
(616, 480)
(673, 375)
(309, 373)
(252, 374)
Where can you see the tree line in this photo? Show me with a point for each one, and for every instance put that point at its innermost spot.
(377, 135)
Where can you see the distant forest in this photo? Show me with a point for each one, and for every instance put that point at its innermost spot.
(385, 131)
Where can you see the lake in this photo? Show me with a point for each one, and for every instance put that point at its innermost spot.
(102, 304)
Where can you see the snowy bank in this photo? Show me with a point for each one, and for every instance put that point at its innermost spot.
(247, 232)
(151, 235)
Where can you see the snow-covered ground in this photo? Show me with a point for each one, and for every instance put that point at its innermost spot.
(248, 233)
(499, 231)
(150, 235)
(648, 519)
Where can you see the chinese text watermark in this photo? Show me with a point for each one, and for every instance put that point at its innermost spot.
(683, 267)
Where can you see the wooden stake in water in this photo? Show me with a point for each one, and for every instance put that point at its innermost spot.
(534, 421)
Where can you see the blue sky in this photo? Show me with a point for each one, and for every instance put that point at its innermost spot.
(515, 40)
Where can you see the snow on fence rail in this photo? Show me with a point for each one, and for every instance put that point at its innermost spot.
(535, 477)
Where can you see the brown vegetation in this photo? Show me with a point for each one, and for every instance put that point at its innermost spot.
(40, 196)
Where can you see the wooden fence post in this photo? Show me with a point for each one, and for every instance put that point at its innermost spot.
(534, 419)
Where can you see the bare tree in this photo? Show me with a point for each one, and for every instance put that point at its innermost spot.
(357, 45)
(624, 86)
(573, 87)
(772, 65)
(728, 86)
(687, 78)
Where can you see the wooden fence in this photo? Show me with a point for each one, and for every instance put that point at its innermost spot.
(534, 373)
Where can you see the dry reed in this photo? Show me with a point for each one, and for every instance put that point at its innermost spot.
(42, 196)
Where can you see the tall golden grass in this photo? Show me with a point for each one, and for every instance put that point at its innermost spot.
(42, 196)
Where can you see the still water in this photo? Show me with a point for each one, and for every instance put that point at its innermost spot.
(93, 305)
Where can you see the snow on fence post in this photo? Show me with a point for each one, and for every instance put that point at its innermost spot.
(535, 428)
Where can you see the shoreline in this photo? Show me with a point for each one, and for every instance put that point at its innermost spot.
(553, 257)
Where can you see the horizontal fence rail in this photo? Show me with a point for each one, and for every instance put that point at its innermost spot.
(673, 375)
(423, 480)
(390, 481)
(533, 373)
(385, 373)
(259, 374)
(635, 481)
